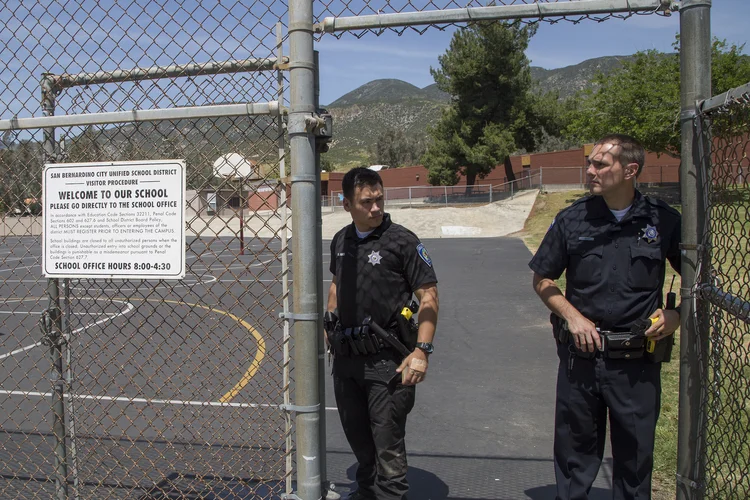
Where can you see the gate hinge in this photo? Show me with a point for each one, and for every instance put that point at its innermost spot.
(695, 485)
(51, 334)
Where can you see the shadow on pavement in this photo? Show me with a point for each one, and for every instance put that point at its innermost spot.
(465, 477)
(548, 493)
(423, 485)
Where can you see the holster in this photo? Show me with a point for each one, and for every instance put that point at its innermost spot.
(656, 351)
(559, 329)
(336, 339)
(408, 327)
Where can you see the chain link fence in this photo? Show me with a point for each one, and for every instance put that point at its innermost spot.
(723, 126)
(146, 388)
(437, 196)
(183, 388)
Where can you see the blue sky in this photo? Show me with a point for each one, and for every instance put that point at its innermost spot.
(63, 36)
(349, 62)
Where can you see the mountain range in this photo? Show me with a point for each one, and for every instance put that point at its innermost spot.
(359, 118)
(362, 115)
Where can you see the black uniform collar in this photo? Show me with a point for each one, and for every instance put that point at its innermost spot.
(351, 233)
(598, 208)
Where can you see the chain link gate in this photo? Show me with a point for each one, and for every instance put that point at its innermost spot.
(144, 388)
(723, 128)
(149, 368)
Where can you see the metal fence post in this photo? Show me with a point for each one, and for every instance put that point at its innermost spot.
(306, 253)
(410, 197)
(490, 193)
(445, 194)
(325, 485)
(695, 84)
(52, 320)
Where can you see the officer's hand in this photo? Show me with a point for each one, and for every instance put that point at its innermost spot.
(413, 368)
(668, 320)
(585, 336)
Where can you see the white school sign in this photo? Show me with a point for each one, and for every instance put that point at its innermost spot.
(114, 220)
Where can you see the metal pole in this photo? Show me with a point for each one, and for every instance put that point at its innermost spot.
(172, 71)
(536, 10)
(143, 115)
(695, 84)
(325, 485)
(289, 465)
(70, 376)
(445, 194)
(490, 193)
(53, 329)
(409, 197)
(305, 248)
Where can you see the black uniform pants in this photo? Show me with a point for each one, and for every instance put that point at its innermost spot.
(373, 405)
(631, 391)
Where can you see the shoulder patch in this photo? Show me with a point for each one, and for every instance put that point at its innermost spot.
(422, 251)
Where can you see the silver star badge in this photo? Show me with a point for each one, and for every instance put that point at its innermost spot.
(374, 258)
(650, 234)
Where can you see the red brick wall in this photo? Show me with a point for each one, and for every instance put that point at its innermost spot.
(559, 167)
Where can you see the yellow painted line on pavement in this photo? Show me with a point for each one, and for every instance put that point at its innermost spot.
(259, 354)
(251, 370)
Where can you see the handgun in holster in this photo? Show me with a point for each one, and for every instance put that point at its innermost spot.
(388, 337)
(407, 325)
(336, 340)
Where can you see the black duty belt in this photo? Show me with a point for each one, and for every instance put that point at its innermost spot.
(632, 344)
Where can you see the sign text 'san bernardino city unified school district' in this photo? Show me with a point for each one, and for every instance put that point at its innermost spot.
(114, 220)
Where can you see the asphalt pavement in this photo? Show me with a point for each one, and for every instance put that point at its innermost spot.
(482, 425)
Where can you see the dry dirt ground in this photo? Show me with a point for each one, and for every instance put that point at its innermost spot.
(500, 218)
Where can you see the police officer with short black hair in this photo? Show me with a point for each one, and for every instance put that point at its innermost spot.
(377, 266)
(613, 246)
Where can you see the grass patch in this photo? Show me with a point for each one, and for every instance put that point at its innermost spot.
(545, 209)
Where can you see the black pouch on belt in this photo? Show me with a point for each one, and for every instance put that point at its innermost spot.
(623, 345)
(372, 347)
(359, 339)
(353, 347)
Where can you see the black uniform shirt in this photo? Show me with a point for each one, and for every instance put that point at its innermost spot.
(376, 275)
(614, 270)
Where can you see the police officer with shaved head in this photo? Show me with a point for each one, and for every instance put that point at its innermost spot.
(612, 326)
(378, 266)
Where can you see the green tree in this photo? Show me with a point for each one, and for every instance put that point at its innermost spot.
(642, 98)
(396, 149)
(493, 111)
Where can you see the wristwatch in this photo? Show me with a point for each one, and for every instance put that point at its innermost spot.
(427, 347)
